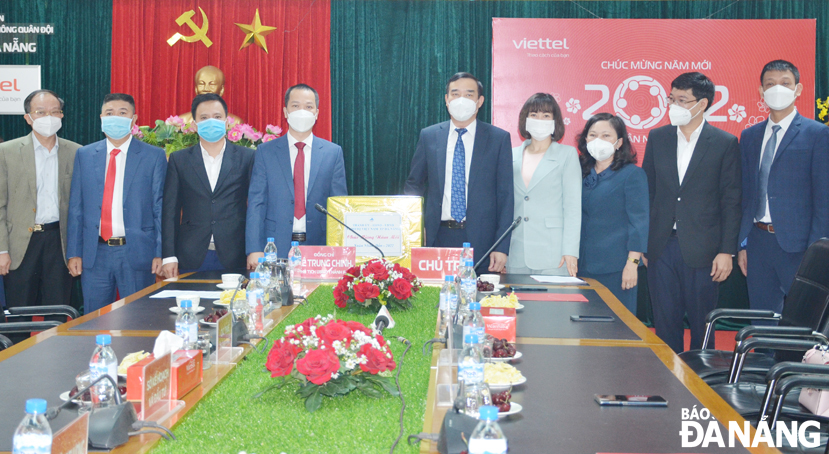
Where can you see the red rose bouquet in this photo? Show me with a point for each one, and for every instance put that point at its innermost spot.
(365, 288)
(328, 357)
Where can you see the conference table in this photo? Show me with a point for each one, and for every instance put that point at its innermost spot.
(565, 364)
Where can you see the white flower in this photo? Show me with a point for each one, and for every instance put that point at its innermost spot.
(737, 113)
(573, 105)
(761, 104)
(566, 120)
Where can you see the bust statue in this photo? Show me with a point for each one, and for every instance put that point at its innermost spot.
(209, 79)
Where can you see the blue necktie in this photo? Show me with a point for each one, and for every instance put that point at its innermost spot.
(765, 166)
(459, 179)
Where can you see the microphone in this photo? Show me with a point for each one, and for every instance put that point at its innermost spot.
(239, 329)
(503, 235)
(381, 322)
(323, 210)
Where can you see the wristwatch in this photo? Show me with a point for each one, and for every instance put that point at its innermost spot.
(633, 260)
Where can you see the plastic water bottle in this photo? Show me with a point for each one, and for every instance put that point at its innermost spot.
(474, 322)
(33, 435)
(468, 252)
(263, 269)
(256, 305)
(473, 393)
(487, 438)
(187, 327)
(270, 252)
(471, 361)
(468, 287)
(295, 264)
(103, 362)
(448, 303)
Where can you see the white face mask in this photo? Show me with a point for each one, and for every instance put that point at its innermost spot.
(778, 97)
(540, 129)
(46, 126)
(301, 120)
(681, 116)
(462, 109)
(601, 149)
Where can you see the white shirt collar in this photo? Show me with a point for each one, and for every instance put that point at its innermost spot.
(784, 123)
(206, 155)
(308, 141)
(470, 130)
(36, 144)
(694, 135)
(124, 146)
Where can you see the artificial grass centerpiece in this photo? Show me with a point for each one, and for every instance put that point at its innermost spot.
(230, 420)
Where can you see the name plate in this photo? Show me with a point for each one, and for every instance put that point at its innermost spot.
(327, 262)
(435, 263)
(224, 338)
(72, 438)
(156, 385)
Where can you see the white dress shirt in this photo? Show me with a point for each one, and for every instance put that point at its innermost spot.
(685, 151)
(784, 126)
(46, 170)
(299, 224)
(118, 190)
(468, 139)
(213, 167)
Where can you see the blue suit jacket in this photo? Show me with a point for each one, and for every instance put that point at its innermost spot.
(489, 192)
(144, 174)
(615, 216)
(798, 187)
(271, 194)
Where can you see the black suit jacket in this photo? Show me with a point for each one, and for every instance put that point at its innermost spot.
(192, 212)
(706, 206)
(489, 195)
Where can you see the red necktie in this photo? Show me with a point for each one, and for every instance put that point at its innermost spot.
(106, 205)
(299, 181)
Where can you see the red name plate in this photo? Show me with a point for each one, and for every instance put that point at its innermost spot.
(435, 263)
(72, 438)
(327, 262)
(156, 385)
(187, 371)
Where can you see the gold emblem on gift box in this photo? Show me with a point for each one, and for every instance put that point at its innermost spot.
(256, 33)
(199, 33)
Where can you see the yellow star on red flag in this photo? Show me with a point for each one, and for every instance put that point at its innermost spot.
(256, 33)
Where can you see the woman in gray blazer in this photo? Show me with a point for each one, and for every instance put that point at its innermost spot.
(548, 185)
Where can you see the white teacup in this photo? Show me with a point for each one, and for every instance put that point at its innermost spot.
(194, 300)
(230, 279)
(494, 279)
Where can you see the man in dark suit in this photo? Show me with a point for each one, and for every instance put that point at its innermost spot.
(35, 175)
(464, 168)
(205, 197)
(290, 175)
(785, 189)
(114, 235)
(693, 174)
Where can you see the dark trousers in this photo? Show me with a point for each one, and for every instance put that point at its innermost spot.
(771, 270)
(42, 277)
(112, 271)
(447, 237)
(677, 289)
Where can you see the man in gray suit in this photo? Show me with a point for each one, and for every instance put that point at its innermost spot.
(35, 176)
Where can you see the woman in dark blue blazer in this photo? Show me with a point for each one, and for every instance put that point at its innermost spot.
(614, 226)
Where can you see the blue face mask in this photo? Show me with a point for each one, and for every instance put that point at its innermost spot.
(211, 130)
(116, 127)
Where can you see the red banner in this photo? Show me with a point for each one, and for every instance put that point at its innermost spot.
(625, 66)
(161, 76)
